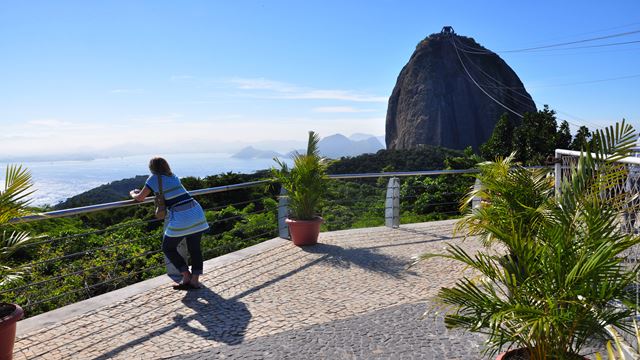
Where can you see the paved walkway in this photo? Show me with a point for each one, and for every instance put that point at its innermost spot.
(393, 333)
(349, 297)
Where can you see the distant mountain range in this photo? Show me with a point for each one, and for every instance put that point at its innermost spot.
(333, 146)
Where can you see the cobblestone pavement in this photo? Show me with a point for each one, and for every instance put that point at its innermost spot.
(349, 277)
(397, 332)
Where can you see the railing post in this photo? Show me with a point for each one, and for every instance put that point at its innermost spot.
(557, 168)
(283, 212)
(392, 204)
(477, 200)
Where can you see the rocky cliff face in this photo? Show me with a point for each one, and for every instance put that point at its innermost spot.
(436, 102)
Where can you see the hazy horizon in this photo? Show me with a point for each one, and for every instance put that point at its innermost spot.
(228, 148)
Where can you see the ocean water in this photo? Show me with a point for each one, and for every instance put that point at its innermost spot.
(55, 181)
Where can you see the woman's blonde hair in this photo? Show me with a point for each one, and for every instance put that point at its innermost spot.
(159, 166)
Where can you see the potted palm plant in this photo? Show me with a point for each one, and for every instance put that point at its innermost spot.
(305, 184)
(13, 204)
(563, 277)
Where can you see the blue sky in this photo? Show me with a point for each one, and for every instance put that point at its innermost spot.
(120, 77)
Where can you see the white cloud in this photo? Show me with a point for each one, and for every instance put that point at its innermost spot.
(344, 95)
(341, 109)
(263, 84)
(126, 91)
(281, 90)
(49, 122)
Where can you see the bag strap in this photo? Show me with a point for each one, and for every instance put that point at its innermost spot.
(160, 186)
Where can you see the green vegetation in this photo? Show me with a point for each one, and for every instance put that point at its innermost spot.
(557, 278)
(424, 158)
(534, 138)
(13, 204)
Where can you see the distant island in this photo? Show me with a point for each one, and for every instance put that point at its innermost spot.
(333, 146)
(250, 152)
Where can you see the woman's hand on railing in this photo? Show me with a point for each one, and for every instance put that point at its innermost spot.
(140, 195)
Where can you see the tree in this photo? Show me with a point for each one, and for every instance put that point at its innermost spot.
(563, 137)
(535, 138)
(582, 138)
(500, 144)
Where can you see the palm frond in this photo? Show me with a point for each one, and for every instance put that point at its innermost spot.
(563, 268)
(312, 144)
(17, 189)
(13, 203)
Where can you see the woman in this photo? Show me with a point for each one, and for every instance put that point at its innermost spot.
(185, 220)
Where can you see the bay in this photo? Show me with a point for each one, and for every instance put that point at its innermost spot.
(56, 181)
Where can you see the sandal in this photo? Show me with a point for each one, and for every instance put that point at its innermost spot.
(182, 286)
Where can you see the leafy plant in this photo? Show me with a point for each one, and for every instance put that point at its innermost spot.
(511, 194)
(563, 272)
(305, 182)
(634, 353)
(13, 203)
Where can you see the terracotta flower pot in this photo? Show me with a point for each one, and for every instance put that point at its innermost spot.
(8, 330)
(519, 354)
(304, 232)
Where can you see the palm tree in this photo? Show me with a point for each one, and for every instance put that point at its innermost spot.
(305, 182)
(564, 269)
(13, 204)
(507, 190)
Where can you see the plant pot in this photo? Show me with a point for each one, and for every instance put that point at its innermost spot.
(8, 328)
(304, 232)
(523, 354)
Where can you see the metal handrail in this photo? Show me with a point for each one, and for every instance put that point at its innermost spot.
(218, 189)
(125, 203)
(403, 173)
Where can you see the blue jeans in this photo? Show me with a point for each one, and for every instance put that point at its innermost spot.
(170, 248)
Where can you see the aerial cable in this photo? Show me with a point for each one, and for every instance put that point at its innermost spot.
(514, 89)
(592, 46)
(480, 87)
(471, 49)
(508, 94)
(553, 47)
(573, 42)
(585, 122)
(599, 30)
(590, 81)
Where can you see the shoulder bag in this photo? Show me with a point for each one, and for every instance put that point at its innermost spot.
(161, 208)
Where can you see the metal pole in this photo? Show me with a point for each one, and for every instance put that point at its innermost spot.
(392, 204)
(476, 202)
(283, 212)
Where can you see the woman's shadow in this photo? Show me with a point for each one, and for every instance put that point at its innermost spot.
(215, 318)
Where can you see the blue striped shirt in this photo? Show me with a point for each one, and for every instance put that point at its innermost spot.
(174, 192)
